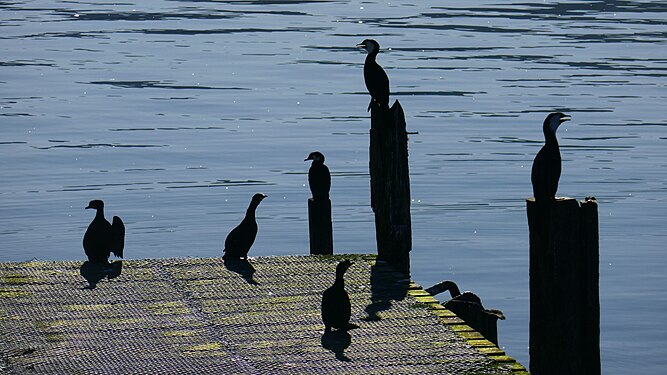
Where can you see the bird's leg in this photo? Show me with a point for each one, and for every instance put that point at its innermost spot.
(369, 105)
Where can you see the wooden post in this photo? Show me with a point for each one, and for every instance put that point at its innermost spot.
(564, 287)
(390, 186)
(320, 226)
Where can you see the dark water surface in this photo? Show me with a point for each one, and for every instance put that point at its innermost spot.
(176, 112)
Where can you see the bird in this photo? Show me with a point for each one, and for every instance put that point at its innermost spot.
(468, 306)
(240, 239)
(102, 238)
(336, 307)
(547, 164)
(319, 177)
(375, 77)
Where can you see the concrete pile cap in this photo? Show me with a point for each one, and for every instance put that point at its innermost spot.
(199, 316)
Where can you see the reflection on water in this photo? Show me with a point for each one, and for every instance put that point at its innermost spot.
(173, 109)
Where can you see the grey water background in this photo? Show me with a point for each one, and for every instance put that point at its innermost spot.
(176, 112)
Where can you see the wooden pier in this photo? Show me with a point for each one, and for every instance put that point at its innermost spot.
(198, 316)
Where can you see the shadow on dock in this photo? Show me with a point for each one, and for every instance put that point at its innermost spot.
(243, 268)
(94, 272)
(337, 342)
(385, 287)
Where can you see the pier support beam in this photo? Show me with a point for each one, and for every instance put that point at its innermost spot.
(320, 226)
(564, 287)
(390, 186)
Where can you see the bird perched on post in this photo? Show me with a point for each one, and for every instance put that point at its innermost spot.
(102, 238)
(336, 307)
(376, 79)
(240, 239)
(547, 164)
(319, 177)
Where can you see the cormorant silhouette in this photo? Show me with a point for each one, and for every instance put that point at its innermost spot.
(468, 306)
(319, 178)
(375, 77)
(240, 239)
(102, 238)
(336, 307)
(547, 164)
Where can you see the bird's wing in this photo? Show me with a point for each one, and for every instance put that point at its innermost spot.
(233, 242)
(327, 179)
(327, 306)
(117, 236)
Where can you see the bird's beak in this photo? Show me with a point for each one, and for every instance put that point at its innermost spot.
(87, 207)
(361, 45)
(565, 118)
(306, 159)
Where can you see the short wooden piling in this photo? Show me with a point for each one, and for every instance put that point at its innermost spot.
(390, 186)
(564, 287)
(320, 226)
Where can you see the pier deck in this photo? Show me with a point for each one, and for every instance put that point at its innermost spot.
(200, 316)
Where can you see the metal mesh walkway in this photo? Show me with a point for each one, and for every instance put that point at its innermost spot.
(197, 316)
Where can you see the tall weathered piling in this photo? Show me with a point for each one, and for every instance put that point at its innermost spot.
(320, 226)
(390, 186)
(564, 287)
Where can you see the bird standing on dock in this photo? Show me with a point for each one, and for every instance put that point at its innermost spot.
(336, 307)
(547, 164)
(319, 177)
(102, 238)
(240, 239)
(376, 79)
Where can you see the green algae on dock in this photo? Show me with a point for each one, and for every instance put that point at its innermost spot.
(196, 315)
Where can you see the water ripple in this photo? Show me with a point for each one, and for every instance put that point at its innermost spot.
(144, 16)
(243, 30)
(159, 85)
(217, 183)
(99, 145)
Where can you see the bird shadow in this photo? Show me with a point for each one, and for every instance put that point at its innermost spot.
(387, 285)
(243, 268)
(337, 341)
(94, 272)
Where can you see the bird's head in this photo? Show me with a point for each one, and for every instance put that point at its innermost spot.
(369, 45)
(343, 266)
(95, 204)
(553, 121)
(315, 156)
(258, 197)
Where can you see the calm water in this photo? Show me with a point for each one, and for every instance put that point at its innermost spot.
(176, 112)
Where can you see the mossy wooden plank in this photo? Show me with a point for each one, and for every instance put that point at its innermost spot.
(461, 328)
(493, 351)
(454, 320)
(471, 335)
(482, 343)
